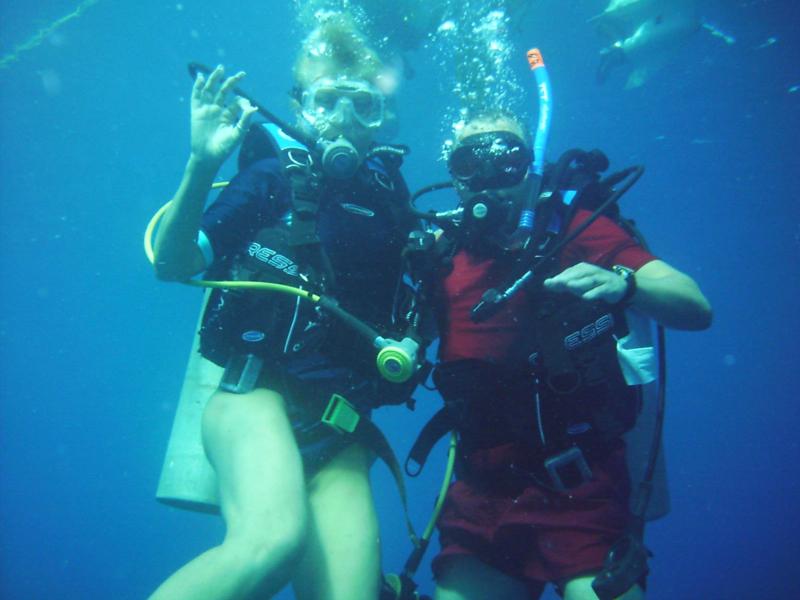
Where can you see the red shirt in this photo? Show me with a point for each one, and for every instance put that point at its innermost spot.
(603, 243)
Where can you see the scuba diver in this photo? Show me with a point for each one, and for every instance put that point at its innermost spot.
(529, 372)
(288, 431)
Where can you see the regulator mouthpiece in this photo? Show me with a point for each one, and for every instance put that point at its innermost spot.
(397, 361)
(340, 159)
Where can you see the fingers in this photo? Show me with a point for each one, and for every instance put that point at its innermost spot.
(247, 110)
(581, 269)
(197, 88)
(600, 292)
(571, 282)
(227, 86)
(578, 272)
(589, 282)
(211, 86)
(215, 89)
(580, 286)
(586, 283)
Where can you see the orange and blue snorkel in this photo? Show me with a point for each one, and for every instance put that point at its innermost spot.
(536, 62)
(536, 173)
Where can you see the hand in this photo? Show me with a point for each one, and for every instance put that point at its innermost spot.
(589, 282)
(218, 124)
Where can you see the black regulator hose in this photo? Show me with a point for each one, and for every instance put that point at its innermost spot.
(441, 218)
(493, 299)
(626, 563)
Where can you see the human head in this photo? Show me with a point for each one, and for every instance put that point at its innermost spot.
(512, 136)
(341, 83)
(493, 121)
(489, 164)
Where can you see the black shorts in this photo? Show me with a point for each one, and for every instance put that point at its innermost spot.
(307, 384)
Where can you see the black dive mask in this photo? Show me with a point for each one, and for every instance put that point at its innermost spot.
(489, 161)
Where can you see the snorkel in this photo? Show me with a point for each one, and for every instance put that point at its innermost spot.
(521, 236)
(482, 205)
(493, 298)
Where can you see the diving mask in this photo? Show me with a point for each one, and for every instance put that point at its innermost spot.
(489, 161)
(342, 100)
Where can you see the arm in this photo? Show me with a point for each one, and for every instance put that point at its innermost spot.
(217, 127)
(662, 292)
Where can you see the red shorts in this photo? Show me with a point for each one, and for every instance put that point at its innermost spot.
(529, 532)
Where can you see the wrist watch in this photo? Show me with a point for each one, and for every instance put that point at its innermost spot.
(630, 282)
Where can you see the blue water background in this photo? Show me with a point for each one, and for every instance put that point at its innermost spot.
(94, 126)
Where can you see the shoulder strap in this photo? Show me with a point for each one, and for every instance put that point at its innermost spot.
(343, 417)
(297, 165)
(384, 164)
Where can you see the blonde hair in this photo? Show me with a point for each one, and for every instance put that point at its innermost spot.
(336, 48)
(498, 120)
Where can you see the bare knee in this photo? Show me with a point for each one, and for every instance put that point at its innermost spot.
(580, 588)
(465, 577)
(263, 499)
(269, 550)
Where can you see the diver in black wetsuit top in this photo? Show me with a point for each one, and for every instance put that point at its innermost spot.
(294, 494)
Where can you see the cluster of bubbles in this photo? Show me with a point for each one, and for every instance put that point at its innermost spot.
(469, 42)
(355, 41)
(311, 13)
(473, 52)
(391, 27)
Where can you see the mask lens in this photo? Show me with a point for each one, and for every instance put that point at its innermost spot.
(490, 161)
(327, 97)
(514, 161)
(325, 100)
(464, 163)
(363, 105)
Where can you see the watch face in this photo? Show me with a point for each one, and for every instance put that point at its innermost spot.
(630, 282)
(620, 270)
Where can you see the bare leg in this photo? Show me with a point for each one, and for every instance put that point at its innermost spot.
(580, 588)
(467, 578)
(342, 560)
(249, 440)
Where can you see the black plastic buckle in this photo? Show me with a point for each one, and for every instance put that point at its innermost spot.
(241, 373)
(625, 566)
(568, 469)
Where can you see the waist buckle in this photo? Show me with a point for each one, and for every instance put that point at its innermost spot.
(568, 469)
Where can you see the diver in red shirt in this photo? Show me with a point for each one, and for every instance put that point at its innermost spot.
(534, 387)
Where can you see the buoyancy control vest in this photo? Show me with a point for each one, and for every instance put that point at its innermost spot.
(565, 386)
(349, 246)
